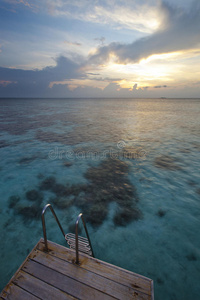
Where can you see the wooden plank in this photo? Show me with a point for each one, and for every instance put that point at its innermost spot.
(64, 283)
(130, 279)
(40, 288)
(9, 283)
(15, 293)
(89, 278)
(54, 275)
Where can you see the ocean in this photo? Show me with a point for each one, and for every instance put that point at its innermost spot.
(130, 165)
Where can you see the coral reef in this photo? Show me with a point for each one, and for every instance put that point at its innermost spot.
(191, 257)
(166, 162)
(13, 200)
(67, 164)
(34, 195)
(61, 203)
(28, 212)
(4, 143)
(27, 160)
(108, 182)
(47, 183)
(161, 213)
(198, 191)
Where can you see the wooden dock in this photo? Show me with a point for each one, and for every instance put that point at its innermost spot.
(53, 275)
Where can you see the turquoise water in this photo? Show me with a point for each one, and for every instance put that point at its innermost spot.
(131, 165)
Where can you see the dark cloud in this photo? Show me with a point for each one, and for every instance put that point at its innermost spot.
(101, 40)
(179, 31)
(35, 83)
(160, 86)
(65, 68)
(94, 74)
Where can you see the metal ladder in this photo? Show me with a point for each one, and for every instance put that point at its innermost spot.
(76, 242)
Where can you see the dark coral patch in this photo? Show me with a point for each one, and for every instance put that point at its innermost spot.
(167, 162)
(161, 213)
(109, 183)
(28, 212)
(160, 281)
(198, 191)
(40, 176)
(30, 159)
(126, 215)
(109, 172)
(191, 257)
(67, 164)
(48, 183)
(27, 160)
(13, 200)
(61, 203)
(192, 183)
(4, 144)
(96, 214)
(34, 195)
(59, 189)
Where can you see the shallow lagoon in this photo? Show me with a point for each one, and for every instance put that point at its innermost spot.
(153, 146)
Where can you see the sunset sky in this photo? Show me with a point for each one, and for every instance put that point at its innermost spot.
(83, 48)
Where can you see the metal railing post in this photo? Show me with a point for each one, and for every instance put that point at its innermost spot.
(84, 224)
(77, 222)
(44, 225)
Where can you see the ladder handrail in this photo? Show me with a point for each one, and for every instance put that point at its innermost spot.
(80, 216)
(44, 225)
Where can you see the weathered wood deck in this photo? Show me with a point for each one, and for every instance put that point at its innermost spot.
(54, 275)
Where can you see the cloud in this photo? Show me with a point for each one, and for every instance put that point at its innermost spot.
(66, 79)
(93, 74)
(101, 40)
(72, 43)
(26, 3)
(133, 15)
(5, 82)
(135, 86)
(160, 86)
(179, 30)
(35, 83)
(65, 68)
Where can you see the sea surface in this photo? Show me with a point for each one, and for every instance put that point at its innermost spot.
(132, 166)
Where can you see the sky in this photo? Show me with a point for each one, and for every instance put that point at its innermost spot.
(100, 48)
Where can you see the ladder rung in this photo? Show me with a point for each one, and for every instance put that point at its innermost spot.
(83, 246)
(73, 236)
(82, 242)
(80, 245)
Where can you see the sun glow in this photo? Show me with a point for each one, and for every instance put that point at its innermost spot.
(83, 83)
(139, 71)
(156, 70)
(171, 56)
